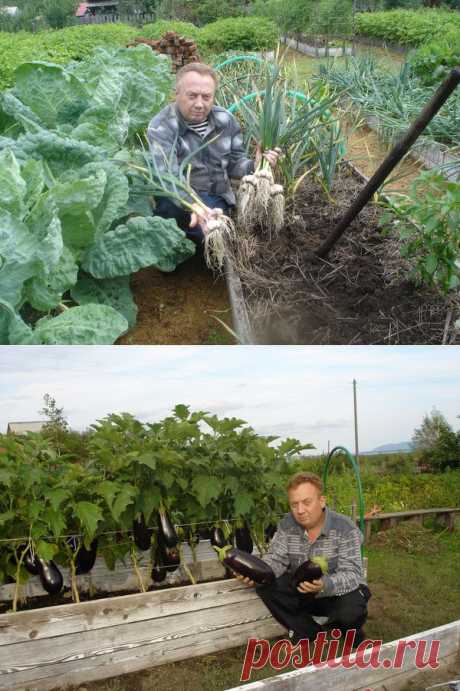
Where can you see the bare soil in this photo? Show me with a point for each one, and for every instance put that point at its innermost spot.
(361, 293)
(181, 307)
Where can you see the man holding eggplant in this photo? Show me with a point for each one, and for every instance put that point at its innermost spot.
(315, 555)
(193, 126)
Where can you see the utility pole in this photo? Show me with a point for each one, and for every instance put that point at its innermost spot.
(355, 407)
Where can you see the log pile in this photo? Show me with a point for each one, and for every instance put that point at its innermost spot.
(180, 49)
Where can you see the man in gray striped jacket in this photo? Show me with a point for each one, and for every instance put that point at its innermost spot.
(187, 124)
(309, 530)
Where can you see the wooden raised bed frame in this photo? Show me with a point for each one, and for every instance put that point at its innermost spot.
(76, 643)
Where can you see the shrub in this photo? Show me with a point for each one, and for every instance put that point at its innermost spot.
(433, 62)
(407, 27)
(158, 29)
(240, 33)
(291, 17)
(61, 46)
(331, 17)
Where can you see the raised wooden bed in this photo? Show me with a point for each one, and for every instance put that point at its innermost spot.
(355, 679)
(76, 643)
(390, 520)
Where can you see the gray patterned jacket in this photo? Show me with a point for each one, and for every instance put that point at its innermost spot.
(213, 165)
(339, 542)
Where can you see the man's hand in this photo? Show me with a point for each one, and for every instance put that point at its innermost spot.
(313, 587)
(271, 155)
(244, 579)
(202, 215)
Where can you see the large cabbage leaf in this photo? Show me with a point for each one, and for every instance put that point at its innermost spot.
(49, 91)
(140, 243)
(110, 291)
(83, 325)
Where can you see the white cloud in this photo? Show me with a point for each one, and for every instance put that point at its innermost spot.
(305, 392)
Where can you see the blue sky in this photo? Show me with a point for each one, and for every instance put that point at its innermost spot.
(299, 391)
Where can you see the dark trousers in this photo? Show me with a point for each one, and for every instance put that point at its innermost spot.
(167, 209)
(294, 610)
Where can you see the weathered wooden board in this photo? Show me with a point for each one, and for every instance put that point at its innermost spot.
(355, 679)
(76, 643)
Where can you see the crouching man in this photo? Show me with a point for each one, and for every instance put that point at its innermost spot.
(181, 128)
(309, 530)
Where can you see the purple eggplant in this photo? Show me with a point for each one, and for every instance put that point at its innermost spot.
(168, 556)
(311, 570)
(86, 558)
(29, 560)
(50, 576)
(158, 571)
(167, 532)
(142, 535)
(247, 565)
(218, 539)
(243, 539)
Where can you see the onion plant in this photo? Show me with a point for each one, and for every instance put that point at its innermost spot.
(394, 99)
(279, 118)
(173, 182)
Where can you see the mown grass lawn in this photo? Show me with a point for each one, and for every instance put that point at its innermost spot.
(414, 578)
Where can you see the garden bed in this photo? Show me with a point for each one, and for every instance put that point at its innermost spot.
(76, 643)
(361, 294)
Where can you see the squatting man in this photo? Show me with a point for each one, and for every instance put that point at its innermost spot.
(190, 121)
(311, 529)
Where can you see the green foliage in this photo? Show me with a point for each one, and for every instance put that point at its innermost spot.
(437, 444)
(329, 17)
(207, 11)
(64, 198)
(159, 28)
(192, 464)
(407, 27)
(394, 99)
(58, 13)
(429, 227)
(240, 33)
(61, 46)
(56, 425)
(291, 17)
(433, 62)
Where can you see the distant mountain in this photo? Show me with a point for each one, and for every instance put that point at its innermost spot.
(402, 446)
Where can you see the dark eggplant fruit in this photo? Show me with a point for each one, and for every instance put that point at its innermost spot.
(310, 570)
(243, 539)
(167, 531)
(50, 576)
(217, 538)
(169, 557)
(249, 565)
(86, 558)
(141, 534)
(29, 560)
(158, 571)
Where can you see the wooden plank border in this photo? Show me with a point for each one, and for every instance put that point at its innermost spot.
(76, 643)
(356, 679)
